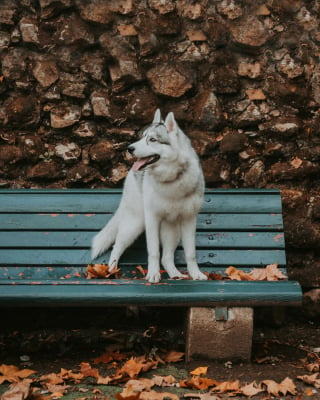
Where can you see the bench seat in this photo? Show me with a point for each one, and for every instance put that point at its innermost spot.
(45, 237)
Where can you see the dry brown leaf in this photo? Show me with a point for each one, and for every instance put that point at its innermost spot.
(52, 378)
(311, 379)
(173, 356)
(57, 390)
(107, 357)
(199, 371)
(128, 394)
(86, 370)
(284, 387)
(164, 381)
(141, 270)
(132, 367)
(18, 391)
(251, 389)
(152, 395)
(138, 385)
(237, 274)
(227, 386)
(313, 367)
(270, 273)
(70, 375)
(215, 277)
(196, 382)
(11, 373)
(258, 274)
(273, 273)
(107, 380)
(102, 271)
(201, 396)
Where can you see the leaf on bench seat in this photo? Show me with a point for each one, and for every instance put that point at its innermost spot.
(102, 271)
(269, 273)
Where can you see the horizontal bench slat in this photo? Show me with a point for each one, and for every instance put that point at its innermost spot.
(135, 257)
(84, 191)
(94, 202)
(56, 239)
(27, 273)
(212, 222)
(178, 293)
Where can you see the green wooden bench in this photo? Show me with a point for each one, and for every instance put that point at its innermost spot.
(45, 238)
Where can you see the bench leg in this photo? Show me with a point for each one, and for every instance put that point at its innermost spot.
(219, 333)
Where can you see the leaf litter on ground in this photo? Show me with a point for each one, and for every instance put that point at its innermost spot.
(56, 385)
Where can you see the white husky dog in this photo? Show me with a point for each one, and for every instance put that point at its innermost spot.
(162, 195)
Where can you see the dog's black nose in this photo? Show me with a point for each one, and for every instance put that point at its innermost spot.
(130, 149)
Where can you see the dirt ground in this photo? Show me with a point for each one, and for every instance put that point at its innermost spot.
(48, 340)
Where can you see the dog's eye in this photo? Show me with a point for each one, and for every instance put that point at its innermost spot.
(153, 140)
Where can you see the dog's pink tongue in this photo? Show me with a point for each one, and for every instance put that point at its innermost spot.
(138, 164)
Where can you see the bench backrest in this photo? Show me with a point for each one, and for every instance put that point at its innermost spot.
(44, 228)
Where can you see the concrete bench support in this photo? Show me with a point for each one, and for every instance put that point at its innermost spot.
(213, 338)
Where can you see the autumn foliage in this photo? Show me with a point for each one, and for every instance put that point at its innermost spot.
(269, 273)
(127, 373)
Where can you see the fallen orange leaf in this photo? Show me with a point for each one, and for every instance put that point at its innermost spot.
(128, 394)
(18, 390)
(173, 356)
(11, 373)
(251, 389)
(87, 370)
(237, 274)
(138, 385)
(106, 358)
(132, 367)
(70, 375)
(152, 395)
(201, 396)
(269, 273)
(227, 386)
(284, 387)
(311, 379)
(196, 382)
(102, 271)
(52, 378)
(199, 371)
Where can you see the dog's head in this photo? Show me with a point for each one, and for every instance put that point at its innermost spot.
(156, 143)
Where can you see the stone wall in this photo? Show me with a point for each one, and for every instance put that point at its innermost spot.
(79, 78)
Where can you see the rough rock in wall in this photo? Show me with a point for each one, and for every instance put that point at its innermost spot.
(79, 78)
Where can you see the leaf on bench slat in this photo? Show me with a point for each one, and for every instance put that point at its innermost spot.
(102, 271)
(269, 273)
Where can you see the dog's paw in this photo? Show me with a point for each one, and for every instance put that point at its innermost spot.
(198, 276)
(174, 273)
(178, 275)
(153, 277)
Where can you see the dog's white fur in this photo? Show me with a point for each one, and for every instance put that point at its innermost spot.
(163, 199)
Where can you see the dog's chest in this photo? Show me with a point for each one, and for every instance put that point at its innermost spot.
(170, 207)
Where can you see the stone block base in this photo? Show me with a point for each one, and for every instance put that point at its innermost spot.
(210, 338)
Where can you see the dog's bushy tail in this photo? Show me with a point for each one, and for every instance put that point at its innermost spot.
(105, 238)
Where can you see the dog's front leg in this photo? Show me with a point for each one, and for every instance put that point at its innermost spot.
(188, 236)
(153, 246)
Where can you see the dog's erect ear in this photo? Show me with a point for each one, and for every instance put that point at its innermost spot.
(171, 123)
(157, 117)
